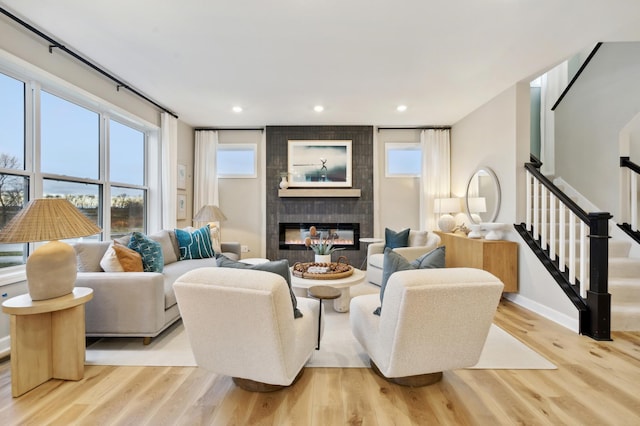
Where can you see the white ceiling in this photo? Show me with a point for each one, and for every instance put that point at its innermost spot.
(358, 58)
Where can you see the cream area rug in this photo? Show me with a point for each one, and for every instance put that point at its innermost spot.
(338, 348)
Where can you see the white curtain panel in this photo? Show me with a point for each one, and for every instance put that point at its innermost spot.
(435, 178)
(205, 176)
(552, 84)
(169, 141)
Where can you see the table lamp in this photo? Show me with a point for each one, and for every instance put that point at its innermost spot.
(211, 214)
(446, 206)
(476, 205)
(51, 268)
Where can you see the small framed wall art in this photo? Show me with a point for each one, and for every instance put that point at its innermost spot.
(182, 176)
(182, 207)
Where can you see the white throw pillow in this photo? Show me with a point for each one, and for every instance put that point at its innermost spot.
(417, 238)
(110, 262)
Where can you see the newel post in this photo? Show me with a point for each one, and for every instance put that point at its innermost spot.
(598, 297)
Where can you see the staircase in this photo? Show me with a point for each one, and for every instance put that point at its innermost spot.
(624, 287)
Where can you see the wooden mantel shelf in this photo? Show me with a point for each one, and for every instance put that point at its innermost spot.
(319, 192)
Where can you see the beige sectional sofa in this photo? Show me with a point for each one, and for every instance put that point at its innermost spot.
(135, 304)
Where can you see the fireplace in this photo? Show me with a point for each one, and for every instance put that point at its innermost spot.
(344, 235)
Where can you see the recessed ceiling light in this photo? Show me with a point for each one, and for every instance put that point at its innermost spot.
(318, 108)
(401, 108)
(237, 109)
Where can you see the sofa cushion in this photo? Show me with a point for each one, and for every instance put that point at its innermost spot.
(168, 252)
(150, 250)
(394, 262)
(195, 244)
(89, 254)
(129, 259)
(393, 239)
(280, 267)
(175, 270)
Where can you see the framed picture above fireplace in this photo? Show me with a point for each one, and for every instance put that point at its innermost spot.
(319, 164)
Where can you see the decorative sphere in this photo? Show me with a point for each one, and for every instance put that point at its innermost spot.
(446, 223)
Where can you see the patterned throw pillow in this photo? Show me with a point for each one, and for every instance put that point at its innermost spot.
(196, 244)
(394, 262)
(149, 250)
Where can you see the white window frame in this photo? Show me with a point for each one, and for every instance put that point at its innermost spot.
(397, 146)
(239, 147)
(36, 79)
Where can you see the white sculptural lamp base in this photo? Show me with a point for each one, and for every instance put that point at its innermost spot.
(51, 271)
(494, 231)
(446, 223)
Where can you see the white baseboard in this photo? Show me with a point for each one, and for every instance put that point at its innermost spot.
(553, 315)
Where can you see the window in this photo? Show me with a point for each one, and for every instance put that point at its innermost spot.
(128, 154)
(70, 140)
(77, 151)
(403, 159)
(236, 161)
(14, 188)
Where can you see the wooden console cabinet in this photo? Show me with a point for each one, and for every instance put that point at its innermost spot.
(498, 257)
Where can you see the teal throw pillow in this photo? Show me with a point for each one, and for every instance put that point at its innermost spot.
(393, 239)
(150, 251)
(394, 262)
(196, 244)
(280, 267)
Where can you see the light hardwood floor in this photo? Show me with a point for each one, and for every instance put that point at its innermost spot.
(596, 383)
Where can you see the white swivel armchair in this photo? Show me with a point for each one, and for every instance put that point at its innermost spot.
(240, 323)
(375, 253)
(432, 320)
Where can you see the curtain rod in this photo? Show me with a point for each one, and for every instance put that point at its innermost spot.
(229, 128)
(55, 44)
(416, 128)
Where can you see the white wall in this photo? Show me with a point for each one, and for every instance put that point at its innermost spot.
(589, 119)
(399, 198)
(241, 199)
(497, 135)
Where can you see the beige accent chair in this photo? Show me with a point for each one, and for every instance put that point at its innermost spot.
(240, 323)
(420, 242)
(432, 320)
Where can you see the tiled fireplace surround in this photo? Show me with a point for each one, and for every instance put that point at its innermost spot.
(321, 209)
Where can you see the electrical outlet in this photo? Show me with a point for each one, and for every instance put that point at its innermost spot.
(244, 249)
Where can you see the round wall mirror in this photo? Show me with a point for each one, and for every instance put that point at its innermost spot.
(482, 198)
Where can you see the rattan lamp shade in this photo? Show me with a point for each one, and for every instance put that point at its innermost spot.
(51, 269)
(210, 214)
(47, 219)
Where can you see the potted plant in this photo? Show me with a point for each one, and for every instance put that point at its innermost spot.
(322, 247)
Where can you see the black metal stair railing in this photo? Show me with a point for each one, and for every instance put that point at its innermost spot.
(588, 288)
(630, 227)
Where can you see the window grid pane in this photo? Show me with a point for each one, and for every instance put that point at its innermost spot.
(70, 138)
(235, 161)
(85, 196)
(126, 151)
(13, 190)
(12, 123)
(127, 211)
(403, 160)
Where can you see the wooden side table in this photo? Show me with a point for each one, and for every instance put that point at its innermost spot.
(47, 338)
(322, 292)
